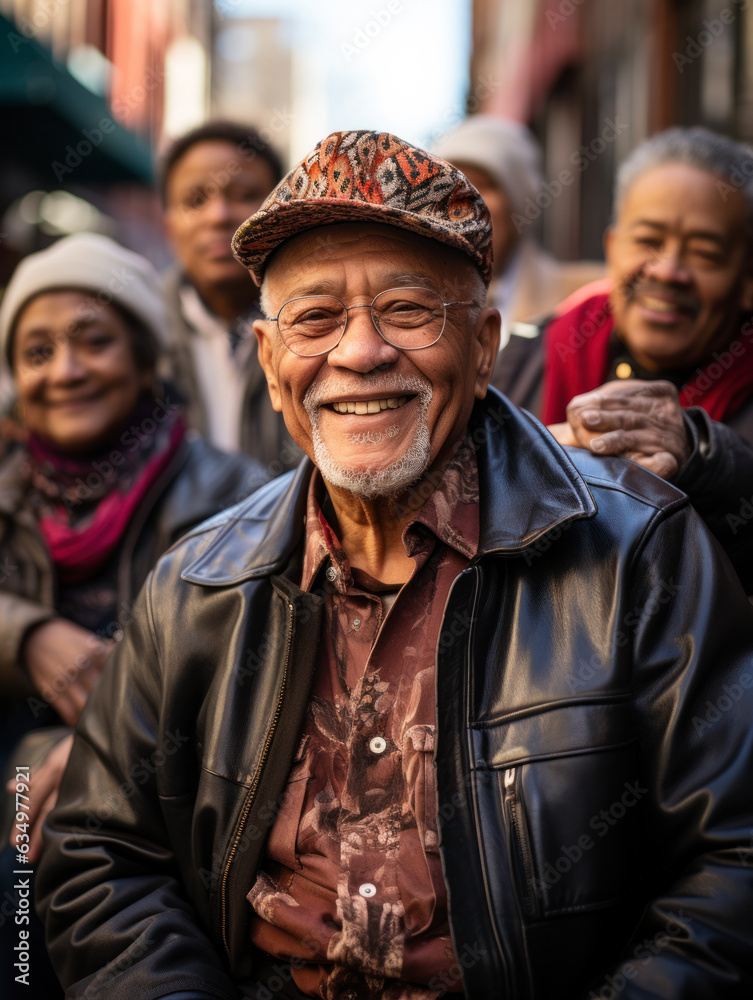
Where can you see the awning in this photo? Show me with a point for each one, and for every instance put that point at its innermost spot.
(55, 127)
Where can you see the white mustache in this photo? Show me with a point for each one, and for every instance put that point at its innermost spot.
(390, 383)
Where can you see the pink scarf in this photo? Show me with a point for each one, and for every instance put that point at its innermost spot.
(78, 549)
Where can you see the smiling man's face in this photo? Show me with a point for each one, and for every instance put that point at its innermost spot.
(373, 417)
(679, 258)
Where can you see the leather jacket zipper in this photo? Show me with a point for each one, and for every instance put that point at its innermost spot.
(476, 576)
(255, 782)
(520, 847)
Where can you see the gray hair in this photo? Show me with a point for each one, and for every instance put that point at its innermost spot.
(730, 161)
(264, 298)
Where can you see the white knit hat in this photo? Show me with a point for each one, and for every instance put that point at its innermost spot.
(90, 263)
(504, 149)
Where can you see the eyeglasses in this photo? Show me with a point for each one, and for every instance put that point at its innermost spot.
(408, 318)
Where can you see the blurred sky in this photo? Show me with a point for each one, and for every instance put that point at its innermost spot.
(400, 66)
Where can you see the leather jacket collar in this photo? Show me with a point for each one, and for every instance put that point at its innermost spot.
(528, 487)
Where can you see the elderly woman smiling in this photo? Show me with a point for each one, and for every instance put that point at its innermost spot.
(98, 477)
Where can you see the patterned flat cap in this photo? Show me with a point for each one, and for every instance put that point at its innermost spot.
(370, 177)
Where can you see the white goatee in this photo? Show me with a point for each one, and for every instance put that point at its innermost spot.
(371, 484)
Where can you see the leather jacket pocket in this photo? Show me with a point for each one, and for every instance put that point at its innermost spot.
(570, 808)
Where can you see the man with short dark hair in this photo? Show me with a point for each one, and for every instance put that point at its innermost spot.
(449, 709)
(211, 179)
(660, 370)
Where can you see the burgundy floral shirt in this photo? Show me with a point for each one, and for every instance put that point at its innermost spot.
(352, 891)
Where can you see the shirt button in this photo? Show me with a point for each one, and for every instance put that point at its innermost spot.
(623, 370)
(356, 623)
(331, 574)
(117, 634)
(378, 744)
(367, 890)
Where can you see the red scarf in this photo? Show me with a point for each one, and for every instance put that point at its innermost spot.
(78, 550)
(576, 359)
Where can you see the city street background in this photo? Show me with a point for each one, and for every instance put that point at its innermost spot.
(91, 90)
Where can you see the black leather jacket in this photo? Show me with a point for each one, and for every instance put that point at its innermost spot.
(594, 752)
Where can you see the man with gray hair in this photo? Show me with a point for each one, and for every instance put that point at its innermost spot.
(660, 370)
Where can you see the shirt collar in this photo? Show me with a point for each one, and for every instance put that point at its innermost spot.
(451, 510)
(450, 513)
(204, 322)
(621, 358)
